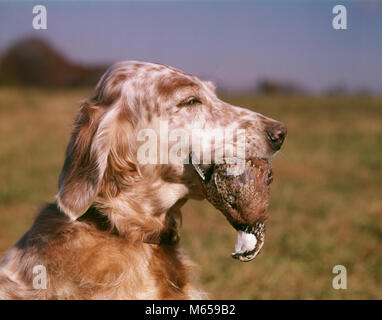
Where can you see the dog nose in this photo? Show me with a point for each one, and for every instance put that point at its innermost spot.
(276, 135)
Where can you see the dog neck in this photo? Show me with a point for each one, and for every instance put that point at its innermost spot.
(145, 205)
(160, 230)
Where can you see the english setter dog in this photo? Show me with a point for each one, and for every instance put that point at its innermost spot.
(111, 233)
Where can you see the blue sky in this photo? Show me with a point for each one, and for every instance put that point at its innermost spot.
(233, 43)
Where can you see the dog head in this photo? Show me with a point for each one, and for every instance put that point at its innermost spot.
(131, 143)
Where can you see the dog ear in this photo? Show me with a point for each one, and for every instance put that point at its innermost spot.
(85, 162)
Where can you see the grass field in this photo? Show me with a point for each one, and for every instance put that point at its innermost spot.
(326, 198)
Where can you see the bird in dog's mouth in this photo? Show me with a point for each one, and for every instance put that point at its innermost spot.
(243, 198)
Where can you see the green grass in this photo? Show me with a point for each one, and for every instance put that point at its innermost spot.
(326, 204)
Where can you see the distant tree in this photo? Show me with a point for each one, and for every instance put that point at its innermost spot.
(33, 62)
(268, 87)
(337, 90)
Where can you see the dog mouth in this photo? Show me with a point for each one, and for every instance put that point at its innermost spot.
(243, 198)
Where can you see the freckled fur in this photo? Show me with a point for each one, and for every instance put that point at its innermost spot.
(96, 239)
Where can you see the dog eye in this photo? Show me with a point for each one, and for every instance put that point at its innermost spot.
(189, 101)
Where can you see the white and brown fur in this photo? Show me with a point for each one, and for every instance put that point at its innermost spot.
(112, 234)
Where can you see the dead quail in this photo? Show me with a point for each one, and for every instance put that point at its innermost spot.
(243, 199)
